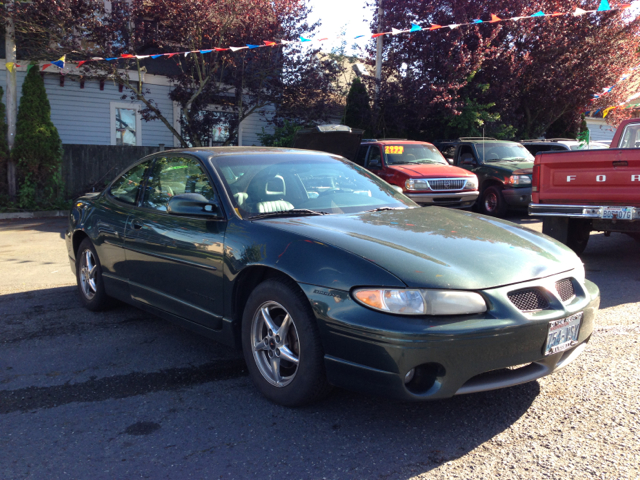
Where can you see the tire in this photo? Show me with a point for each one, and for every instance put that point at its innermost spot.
(493, 202)
(578, 235)
(89, 278)
(288, 369)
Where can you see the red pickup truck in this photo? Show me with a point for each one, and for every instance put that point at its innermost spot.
(592, 190)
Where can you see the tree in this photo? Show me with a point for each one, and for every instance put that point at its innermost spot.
(37, 149)
(358, 110)
(218, 87)
(539, 71)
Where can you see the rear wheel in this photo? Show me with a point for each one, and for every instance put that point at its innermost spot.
(493, 202)
(281, 344)
(89, 278)
(578, 234)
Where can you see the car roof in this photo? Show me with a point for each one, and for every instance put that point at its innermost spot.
(208, 152)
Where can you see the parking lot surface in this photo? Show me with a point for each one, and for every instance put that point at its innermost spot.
(123, 394)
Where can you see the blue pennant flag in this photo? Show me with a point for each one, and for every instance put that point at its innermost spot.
(109, 59)
(206, 51)
(359, 36)
(539, 14)
(253, 46)
(477, 21)
(152, 56)
(302, 39)
(604, 6)
(415, 28)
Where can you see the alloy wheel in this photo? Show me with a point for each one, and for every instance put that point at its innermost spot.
(490, 202)
(88, 272)
(275, 344)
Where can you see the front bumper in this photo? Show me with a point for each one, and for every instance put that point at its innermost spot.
(453, 199)
(372, 352)
(517, 197)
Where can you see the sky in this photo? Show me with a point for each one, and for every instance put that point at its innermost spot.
(338, 14)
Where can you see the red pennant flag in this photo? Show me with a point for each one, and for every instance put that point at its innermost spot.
(623, 6)
(323, 39)
(269, 44)
(80, 63)
(126, 55)
(494, 19)
(435, 27)
(556, 14)
(45, 66)
(376, 35)
(221, 49)
(170, 54)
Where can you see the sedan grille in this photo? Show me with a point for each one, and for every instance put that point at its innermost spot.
(446, 184)
(565, 289)
(529, 300)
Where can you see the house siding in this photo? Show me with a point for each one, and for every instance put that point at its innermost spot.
(599, 130)
(82, 115)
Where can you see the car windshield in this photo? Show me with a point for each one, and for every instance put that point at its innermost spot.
(501, 152)
(412, 154)
(301, 184)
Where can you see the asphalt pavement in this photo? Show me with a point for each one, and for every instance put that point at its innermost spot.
(124, 394)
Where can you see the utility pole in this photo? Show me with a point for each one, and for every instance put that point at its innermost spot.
(12, 97)
(376, 100)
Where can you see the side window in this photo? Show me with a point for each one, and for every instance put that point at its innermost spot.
(449, 151)
(374, 157)
(466, 156)
(362, 154)
(126, 187)
(174, 176)
(630, 136)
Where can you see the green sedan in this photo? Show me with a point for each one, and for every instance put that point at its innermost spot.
(324, 275)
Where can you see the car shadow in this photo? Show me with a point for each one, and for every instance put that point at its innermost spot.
(45, 225)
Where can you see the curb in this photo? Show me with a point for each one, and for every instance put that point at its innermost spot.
(19, 215)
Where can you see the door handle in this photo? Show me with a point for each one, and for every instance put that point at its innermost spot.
(136, 225)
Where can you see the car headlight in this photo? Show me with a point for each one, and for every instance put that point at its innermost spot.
(416, 184)
(519, 180)
(472, 183)
(421, 302)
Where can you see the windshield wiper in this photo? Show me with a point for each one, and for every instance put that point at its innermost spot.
(287, 213)
(382, 209)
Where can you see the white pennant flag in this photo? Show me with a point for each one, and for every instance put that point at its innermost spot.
(579, 12)
(515, 19)
(395, 31)
(455, 25)
(235, 49)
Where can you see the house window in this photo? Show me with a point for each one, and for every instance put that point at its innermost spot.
(125, 124)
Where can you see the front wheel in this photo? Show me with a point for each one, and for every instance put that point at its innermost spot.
(281, 344)
(493, 202)
(578, 234)
(89, 277)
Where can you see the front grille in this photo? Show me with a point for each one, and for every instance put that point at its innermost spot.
(565, 289)
(446, 184)
(529, 300)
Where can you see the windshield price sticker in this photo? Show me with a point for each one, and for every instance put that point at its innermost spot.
(618, 213)
(394, 149)
(563, 334)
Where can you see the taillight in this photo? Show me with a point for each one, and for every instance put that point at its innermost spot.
(535, 180)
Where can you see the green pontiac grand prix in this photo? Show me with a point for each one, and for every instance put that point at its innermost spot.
(323, 274)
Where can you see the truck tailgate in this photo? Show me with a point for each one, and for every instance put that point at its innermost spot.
(588, 177)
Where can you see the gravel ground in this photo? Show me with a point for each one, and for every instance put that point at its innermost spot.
(122, 394)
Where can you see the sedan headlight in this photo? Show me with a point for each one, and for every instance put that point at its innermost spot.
(472, 183)
(519, 180)
(421, 302)
(414, 184)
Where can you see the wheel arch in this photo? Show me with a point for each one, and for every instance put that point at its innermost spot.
(77, 239)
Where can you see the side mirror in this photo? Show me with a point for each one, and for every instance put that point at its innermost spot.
(397, 188)
(374, 163)
(449, 160)
(468, 161)
(193, 204)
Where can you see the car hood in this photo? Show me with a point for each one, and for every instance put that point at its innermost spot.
(433, 171)
(511, 167)
(435, 247)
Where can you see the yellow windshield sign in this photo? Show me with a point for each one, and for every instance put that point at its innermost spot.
(394, 149)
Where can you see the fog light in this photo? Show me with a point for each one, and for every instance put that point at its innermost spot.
(409, 376)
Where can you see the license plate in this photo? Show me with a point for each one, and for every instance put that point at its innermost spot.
(563, 334)
(619, 213)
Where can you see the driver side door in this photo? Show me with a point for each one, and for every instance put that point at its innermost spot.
(175, 263)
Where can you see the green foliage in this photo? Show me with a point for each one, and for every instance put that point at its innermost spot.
(282, 136)
(37, 149)
(476, 120)
(358, 111)
(4, 146)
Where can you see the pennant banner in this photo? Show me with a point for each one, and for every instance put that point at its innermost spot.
(604, 6)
